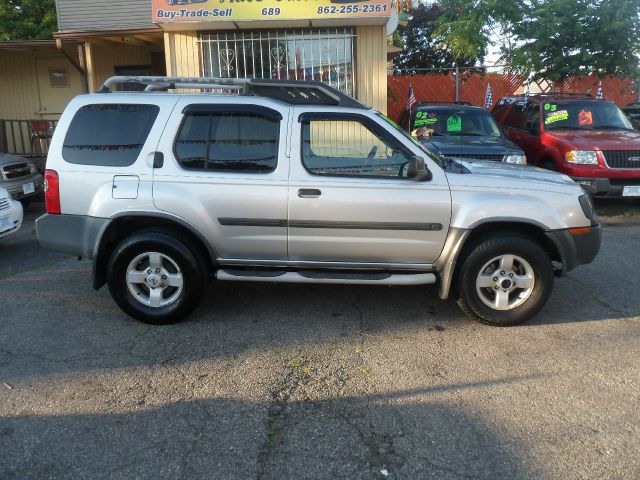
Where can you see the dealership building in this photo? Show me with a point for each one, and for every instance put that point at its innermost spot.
(341, 42)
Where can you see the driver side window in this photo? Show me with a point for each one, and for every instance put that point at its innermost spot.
(531, 118)
(350, 148)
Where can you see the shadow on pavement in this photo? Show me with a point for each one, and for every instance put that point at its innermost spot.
(354, 438)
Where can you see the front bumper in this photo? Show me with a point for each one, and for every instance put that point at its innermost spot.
(605, 187)
(15, 186)
(576, 246)
(15, 215)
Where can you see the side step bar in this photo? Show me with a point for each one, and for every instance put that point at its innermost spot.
(280, 276)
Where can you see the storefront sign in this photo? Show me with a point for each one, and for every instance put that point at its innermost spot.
(179, 11)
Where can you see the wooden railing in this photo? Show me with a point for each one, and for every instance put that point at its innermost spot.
(29, 138)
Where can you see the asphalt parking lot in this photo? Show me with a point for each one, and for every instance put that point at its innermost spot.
(318, 382)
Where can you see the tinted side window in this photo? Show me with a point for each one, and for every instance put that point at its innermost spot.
(110, 135)
(514, 117)
(237, 142)
(531, 117)
(350, 148)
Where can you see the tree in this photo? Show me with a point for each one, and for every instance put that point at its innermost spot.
(467, 27)
(562, 38)
(422, 50)
(27, 19)
(547, 39)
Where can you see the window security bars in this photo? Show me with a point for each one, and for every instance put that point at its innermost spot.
(325, 55)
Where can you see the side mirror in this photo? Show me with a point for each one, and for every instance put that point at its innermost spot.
(417, 170)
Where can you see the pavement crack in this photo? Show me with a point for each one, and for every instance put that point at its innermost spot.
(594, 295)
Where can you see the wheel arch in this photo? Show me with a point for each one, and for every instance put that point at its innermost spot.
(464, 240)
(121, 226)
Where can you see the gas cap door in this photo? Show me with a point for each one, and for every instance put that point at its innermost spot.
(125, 186)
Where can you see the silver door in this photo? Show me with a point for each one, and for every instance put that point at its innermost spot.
(337, 214)
(242, 212)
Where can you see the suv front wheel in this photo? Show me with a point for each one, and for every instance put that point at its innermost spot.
(155, 278)
(505, 281)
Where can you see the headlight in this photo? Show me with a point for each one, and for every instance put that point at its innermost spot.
(517, 159)
(582, 157)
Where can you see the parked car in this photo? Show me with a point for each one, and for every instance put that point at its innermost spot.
(10, 214)
(296, 182)
(20, 177)
(633, 112)
(461, 130)
(590, 140)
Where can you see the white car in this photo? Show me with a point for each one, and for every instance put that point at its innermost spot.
(10, 214)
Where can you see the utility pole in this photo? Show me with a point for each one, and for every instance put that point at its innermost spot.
(457, 83)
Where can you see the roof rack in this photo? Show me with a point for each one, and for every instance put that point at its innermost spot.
(446, 103)
(546, 95)
(543, 95)
(294, 92)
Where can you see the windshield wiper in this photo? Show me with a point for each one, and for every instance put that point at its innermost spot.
(613, 127)
(466, 134)
(571, 127)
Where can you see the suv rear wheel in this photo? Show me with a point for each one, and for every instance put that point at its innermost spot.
(155, 278)
(505, 281)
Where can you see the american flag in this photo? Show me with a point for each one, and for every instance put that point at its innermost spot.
(411, 98)
(488, 98)
(599, 93)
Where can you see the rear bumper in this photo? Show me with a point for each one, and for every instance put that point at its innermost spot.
(605, 187)
(577, 248)
(73, 234)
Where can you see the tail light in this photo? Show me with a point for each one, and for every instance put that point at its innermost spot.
(52, 192)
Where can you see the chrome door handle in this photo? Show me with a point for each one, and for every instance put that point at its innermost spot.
(309, 193)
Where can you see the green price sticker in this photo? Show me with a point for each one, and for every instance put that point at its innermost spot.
(454, 123)
(425, 121)
(556, 116)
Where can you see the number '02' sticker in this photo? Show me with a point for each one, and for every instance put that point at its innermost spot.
(425, 118)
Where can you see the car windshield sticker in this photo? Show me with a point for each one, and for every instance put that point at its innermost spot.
(557, 116)
(585, 117)
(454, 123)
(424, 118)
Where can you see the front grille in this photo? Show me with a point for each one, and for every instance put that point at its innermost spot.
(476, 156)
(622, 158)
(16, 170)
(4, 203)
(624, 182)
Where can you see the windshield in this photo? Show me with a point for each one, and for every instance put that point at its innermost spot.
(433, 156)
(455, 122)
(588, 115)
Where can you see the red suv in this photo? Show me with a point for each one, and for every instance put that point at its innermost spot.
(590, 140)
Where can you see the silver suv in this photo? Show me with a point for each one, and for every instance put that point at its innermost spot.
(295, 182)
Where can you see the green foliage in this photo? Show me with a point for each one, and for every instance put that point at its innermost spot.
(561, 38)
(468, 26)
(550, 39)
(27, 19)
(422, 50)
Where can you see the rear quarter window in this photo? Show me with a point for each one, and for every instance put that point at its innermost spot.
(110, 135)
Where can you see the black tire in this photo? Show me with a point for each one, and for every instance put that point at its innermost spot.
(483, 252)
(193, 277)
